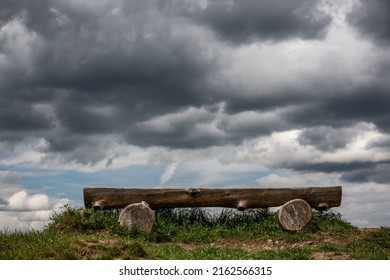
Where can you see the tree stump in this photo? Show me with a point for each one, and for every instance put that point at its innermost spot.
(139, 215)
(295, 214)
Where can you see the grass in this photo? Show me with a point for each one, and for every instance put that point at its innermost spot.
(375, 246)
(195, 234)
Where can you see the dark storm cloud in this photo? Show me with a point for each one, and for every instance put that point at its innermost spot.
(186, 129)
(103, 71)
(112, 45)
(380, 143)
(19, 116)
(378, 173)
(149, 74)
(352, 172)
(204, 127)
(110, 67)
(46, 17)
(345, 107)
(65, 147)
(372, 19)
(245, 21)
(329, 140)
(326, 138)
(31, 10)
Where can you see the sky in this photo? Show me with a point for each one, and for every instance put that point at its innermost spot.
(185, 93)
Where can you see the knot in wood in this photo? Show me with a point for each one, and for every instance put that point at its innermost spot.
(194, 192)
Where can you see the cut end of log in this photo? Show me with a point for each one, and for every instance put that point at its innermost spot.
(139, 215)
(98, 205)
(242, 205)
(295, 215)
(322, 206)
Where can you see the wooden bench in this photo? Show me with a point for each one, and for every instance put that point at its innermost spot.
(295, 212)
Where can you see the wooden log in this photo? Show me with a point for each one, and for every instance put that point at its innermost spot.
(295, 215)
(138, 215)
(109, 198)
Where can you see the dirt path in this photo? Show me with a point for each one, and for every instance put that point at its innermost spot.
(323, 239)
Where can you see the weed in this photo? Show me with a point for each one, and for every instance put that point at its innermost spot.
(135, 251)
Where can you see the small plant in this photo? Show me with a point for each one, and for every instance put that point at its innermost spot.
(85, 220)
(330, 221)
(135, 250)
(376, 245)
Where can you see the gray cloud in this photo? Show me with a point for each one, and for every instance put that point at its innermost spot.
(22, 116)
(350, 171)
(382, 143)
(3, 201)
(135, 66)
(9, 178)
(345, 107)
(188, 129)
(377, 173)
(84, 78)
(372, 19)
(335, 167)
(251, 20)
(326, 138)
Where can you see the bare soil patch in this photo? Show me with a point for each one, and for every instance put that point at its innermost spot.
(322, 239)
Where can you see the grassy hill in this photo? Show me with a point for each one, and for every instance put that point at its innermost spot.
(195, 234)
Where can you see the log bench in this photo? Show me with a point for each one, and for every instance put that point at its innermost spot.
(295, 211)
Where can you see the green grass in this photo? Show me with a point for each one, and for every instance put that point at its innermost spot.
(194, 234)
(375, 246)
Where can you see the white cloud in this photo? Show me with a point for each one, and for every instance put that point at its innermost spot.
(366, 204)
(41, 215)
(303, 65)
(9, 221)
(168, 173)
(20, 210)
(278, 149)
(21, 201)
(27, 212)
(282, 149)
(18, 48)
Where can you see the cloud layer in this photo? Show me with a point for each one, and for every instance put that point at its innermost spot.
(246, 21)
(302, 86)
(371, 19)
